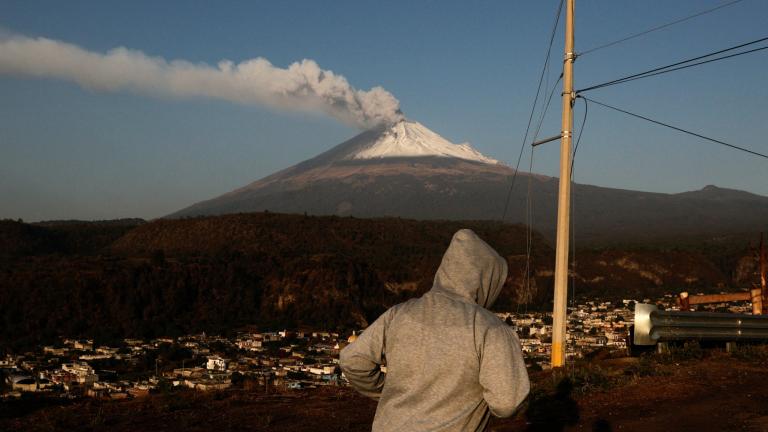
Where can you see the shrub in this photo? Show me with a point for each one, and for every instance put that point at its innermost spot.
(690, 350)
(646, 366)
(589, 378)
(754, 353)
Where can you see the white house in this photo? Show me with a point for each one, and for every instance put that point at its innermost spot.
(83, 372)
(216, 363)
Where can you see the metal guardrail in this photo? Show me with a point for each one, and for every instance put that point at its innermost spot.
(653, 325)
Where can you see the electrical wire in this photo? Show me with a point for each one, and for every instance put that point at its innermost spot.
(679, 65)
(546, 108)
(723, 143)
(581, 131)
(533, 108)
(658, 27)
(572, 213)
(529, 233)
(695, 64)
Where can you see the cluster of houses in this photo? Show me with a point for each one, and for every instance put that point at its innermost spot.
(286, 359)
(266, 360)
(66, 371)
(592, 325)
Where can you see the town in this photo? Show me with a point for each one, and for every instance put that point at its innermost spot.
(268, 361)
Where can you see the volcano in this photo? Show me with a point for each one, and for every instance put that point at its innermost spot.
(407, 170)
(404, 170)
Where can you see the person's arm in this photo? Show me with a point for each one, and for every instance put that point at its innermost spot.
(361, 360)
(502, 371)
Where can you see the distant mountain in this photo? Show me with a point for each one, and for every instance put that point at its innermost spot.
(407, 170)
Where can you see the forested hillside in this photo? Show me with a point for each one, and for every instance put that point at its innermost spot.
(216, 274)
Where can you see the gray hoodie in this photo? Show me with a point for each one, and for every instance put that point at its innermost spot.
(450, 362)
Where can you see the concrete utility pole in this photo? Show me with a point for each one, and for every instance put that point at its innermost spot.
(564, 197)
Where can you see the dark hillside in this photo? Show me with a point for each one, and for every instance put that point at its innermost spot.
(64, 237)
(20, 239)
(259, 233)
(215, 274)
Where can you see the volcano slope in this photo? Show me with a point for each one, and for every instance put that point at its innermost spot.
(406, 170)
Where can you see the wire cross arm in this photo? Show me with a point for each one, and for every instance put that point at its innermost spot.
(546, 140)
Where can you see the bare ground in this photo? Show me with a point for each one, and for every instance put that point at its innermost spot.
(717, 393)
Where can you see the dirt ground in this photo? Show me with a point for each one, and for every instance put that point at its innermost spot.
(714, 395)
(718, 393)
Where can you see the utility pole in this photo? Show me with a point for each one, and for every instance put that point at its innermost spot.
(564, 198)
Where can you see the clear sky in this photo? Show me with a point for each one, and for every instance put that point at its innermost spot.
(467, 70)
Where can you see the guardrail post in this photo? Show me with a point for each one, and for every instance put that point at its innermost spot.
(662, 348)
(757, 301)
(685, 302)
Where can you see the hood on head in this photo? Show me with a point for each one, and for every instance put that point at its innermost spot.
(471, 270)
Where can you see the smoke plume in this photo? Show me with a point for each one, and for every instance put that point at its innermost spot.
(302, 86)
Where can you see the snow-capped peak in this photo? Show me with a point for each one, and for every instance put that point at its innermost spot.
(412, 139)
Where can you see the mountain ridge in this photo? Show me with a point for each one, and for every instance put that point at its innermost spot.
(435, 186)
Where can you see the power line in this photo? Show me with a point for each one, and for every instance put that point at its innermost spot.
(533, 108)
(546, 108)
(529, 231)
(581, 131)
(680, 65)
(529, 204)
(696, 64)
(659, 27)
(573, 203)
(735, 147)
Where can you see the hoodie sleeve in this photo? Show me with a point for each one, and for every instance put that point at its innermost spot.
(502, 371)
(361, 360)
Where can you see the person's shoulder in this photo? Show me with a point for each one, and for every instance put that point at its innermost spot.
(405, 305)
(394, 310)
(488, 318)
(490, 330)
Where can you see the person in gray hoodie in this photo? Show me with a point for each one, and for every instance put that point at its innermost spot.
(450, 361)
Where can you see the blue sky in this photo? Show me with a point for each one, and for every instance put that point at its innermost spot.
(467, 70)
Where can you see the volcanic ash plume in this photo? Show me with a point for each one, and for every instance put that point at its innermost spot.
(302, 86)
